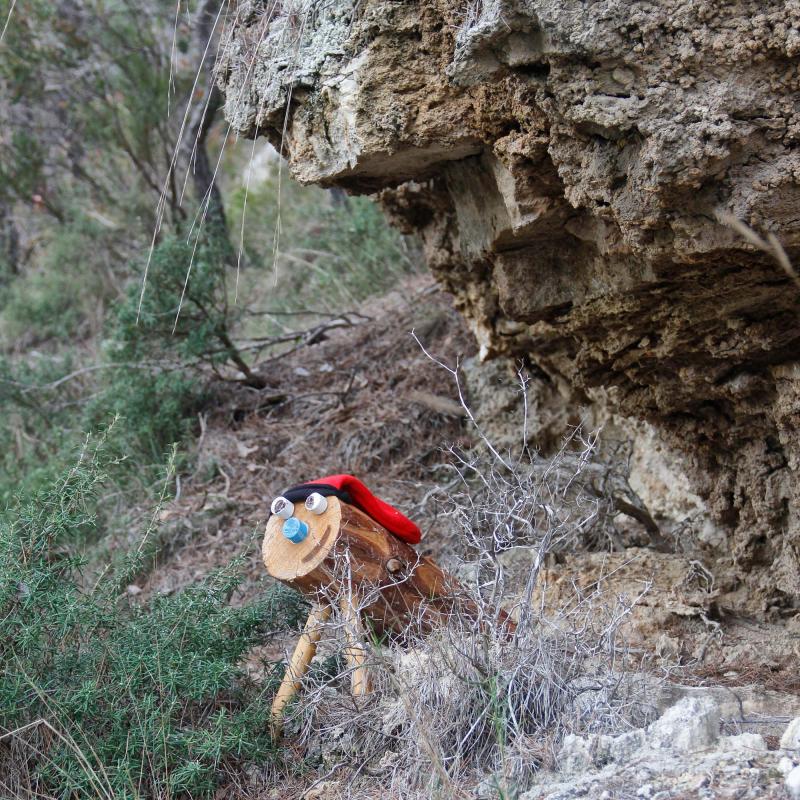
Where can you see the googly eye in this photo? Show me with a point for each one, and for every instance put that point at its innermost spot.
(282, 507)
(316, 503)
(295, 530)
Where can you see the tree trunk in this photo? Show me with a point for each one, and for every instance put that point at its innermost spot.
(199, 124)
(9, 242)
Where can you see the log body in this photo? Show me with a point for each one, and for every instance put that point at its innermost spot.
(347, 554)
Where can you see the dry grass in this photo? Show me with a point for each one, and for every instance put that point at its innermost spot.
(481, 695)
(769, 244)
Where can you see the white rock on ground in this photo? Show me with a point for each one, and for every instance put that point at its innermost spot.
(793, 783)
(576, 754)
(785, 766)
(744, 743)
(681, 752)
(691, 724)
(791, 736)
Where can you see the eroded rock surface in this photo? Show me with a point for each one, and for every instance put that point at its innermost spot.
(566, 164)
(680, 755)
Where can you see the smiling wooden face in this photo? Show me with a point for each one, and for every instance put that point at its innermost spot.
(287, 560)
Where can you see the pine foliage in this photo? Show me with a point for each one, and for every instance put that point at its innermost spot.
(103, 696)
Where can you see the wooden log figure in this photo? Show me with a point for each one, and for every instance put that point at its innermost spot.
(348, 563)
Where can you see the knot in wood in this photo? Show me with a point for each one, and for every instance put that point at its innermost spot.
(394, 565)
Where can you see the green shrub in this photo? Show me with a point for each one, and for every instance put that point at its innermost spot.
(62, 293)
(108, 698)
(33, 437)
(157, 410)
(149, 325)
(152, 379)
(158, 387)
(42, 427)
(321, 249)
(184, 311)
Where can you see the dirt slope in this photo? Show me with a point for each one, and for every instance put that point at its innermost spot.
(367, 400)
(358, 401)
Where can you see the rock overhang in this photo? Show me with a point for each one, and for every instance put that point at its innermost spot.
(568, 167)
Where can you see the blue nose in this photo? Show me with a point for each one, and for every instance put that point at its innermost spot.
(295, 530)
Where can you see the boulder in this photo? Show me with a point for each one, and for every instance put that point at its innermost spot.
(791, 736)
(691, 724)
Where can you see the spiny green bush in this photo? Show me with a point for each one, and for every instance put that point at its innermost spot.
(158, 409)
(42, 422)
(162, 341)
(153, 377)
(181, 277)
(33, 437)
(102, 697)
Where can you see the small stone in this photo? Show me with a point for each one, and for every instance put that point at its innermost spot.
(791, 736)
(792, 784)
(301, 372)
(691, 724)
(132, 589)
(745, 743)
(576, 754)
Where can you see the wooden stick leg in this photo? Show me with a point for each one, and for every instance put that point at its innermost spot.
(354, 652)
(298, 665)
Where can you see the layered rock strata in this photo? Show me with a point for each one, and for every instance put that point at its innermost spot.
(570, 166)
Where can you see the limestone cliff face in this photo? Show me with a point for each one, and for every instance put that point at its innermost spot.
(566, 163)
